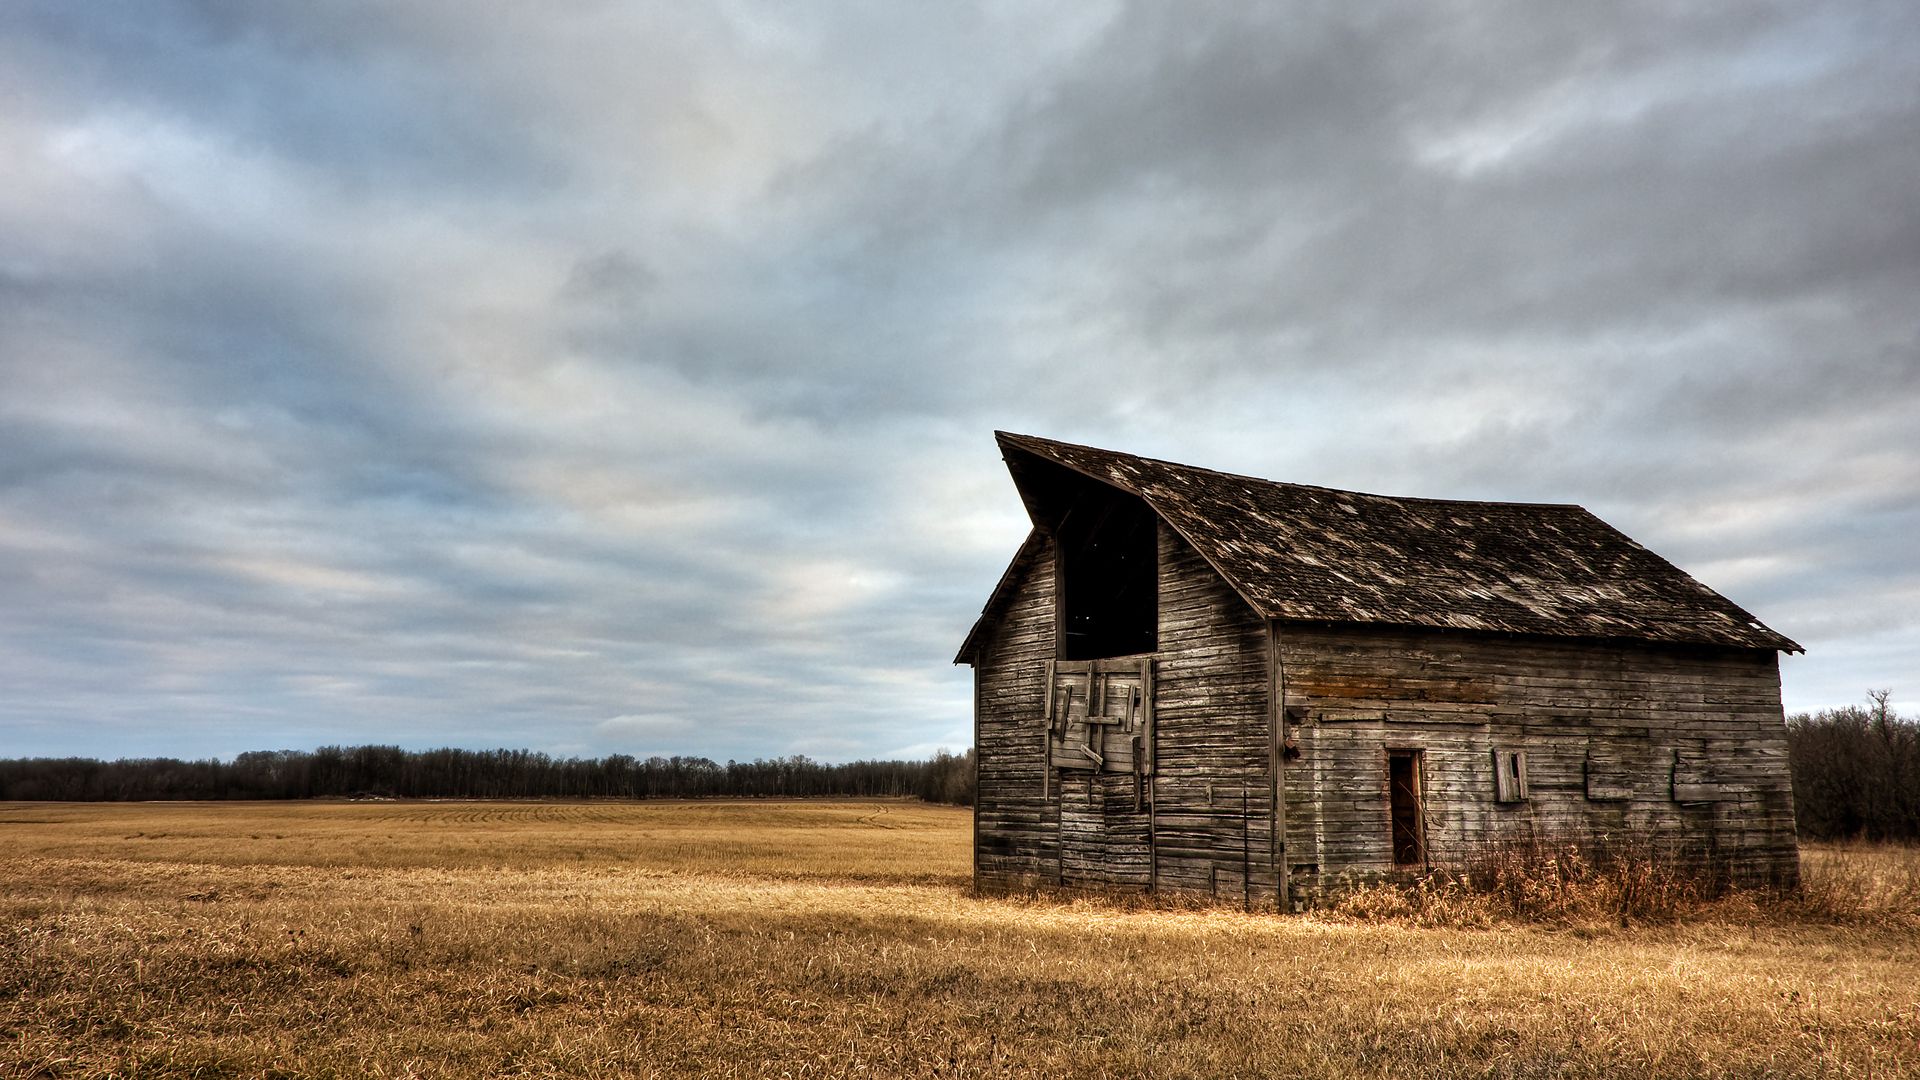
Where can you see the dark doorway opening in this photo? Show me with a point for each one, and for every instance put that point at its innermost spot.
(1109, 578)
(1403, 800)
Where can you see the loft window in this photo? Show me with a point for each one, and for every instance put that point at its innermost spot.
(1109, 579)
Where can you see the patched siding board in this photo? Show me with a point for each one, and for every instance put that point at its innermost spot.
(1615, 766)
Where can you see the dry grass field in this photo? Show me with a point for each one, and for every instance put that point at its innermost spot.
(822, 939)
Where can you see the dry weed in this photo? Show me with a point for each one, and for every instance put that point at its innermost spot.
(1576, 885)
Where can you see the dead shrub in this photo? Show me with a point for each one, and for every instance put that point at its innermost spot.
(1537, 879)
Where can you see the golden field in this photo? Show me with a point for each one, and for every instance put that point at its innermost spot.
(826, 939)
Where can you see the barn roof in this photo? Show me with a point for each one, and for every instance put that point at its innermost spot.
(1315, 554)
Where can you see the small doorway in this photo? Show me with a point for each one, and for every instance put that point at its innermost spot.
(1403, 801)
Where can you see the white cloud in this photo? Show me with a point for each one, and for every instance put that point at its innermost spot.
(642, 726)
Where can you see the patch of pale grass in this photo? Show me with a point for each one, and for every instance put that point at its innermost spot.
(892, 840)
(1862, 882)
(408, 964)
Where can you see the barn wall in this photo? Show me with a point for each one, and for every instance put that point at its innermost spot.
(1611, 734)
(1207, 827)
(1212, 794)
(1016, 829)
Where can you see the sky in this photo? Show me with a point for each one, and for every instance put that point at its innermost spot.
(621, 378)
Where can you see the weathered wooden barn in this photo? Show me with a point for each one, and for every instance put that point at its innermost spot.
(1197, 682)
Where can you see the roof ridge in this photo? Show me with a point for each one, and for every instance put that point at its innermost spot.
(1291, 483)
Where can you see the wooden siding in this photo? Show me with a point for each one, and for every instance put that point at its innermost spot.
(1212, 790)
(1016, 826)
(1682, 749)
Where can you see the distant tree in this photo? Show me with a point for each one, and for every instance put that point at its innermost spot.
(1856, 772)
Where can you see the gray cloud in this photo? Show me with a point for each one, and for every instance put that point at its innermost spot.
(621, 378)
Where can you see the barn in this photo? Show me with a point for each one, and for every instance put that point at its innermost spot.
(1188, 681)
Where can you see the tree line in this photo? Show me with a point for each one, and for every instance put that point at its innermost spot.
(391, 772)
(1856, 772)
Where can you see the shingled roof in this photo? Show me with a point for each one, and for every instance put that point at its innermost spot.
(1315, 554)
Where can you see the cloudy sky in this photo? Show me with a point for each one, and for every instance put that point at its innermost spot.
(621, 378)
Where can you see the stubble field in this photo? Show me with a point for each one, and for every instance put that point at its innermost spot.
(825, 939)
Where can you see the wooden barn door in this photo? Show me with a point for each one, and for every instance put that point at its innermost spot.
(1406, 817)
(1100, 754)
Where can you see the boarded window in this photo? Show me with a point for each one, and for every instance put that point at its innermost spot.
(1695, 779)
(1100, 715)
(1509, 776)
(1609, 774)
(1404, 811)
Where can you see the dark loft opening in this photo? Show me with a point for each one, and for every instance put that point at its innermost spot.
(1403, 798)
(1109, 579)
